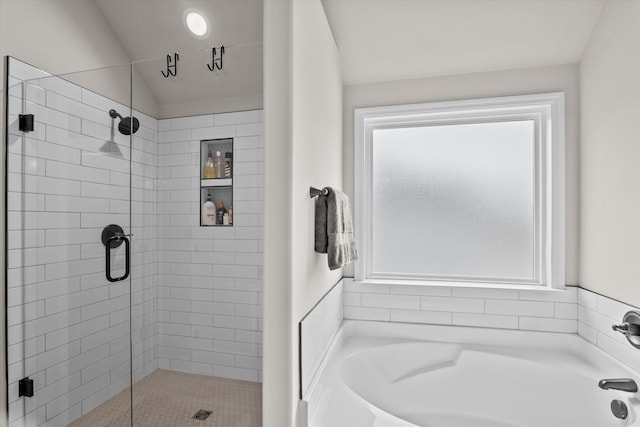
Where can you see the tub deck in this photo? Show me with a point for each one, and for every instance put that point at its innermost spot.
(389, 374)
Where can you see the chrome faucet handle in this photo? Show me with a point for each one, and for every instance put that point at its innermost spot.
(623, 328)
(630, 328)
(622, 384)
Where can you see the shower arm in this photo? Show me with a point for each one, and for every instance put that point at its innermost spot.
(113, 128)
(114, 115)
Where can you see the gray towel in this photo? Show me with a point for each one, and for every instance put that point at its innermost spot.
(334, 229)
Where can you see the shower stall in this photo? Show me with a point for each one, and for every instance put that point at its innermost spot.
(123, 309)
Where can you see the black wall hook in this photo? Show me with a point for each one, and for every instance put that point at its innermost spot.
(216, 63)
(172, 69)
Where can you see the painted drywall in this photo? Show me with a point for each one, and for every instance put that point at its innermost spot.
(317, 152)
(610, 155)
(206, 106)
(317, 148)
(67, 36)
(501, 83)
(277, 389)
(303, 122)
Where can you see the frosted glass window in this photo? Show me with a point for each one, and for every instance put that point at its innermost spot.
(467, 192)
(455, 201)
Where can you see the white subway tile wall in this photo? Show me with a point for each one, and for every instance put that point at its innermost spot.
(574, 310)
(144, 248)
(317, 331)
(554, 311)
(210, 278)
(596, 315)
(68, 326)
(196, 292)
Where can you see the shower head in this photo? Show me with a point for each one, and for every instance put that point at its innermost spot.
(127, 125)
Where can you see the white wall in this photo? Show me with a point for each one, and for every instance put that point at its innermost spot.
(317, 152)
(60, 36)
(610, 155)
(66, 36)
(303, 97)
(468, 86)
(277, 384)
(69, 329)
(210, 287)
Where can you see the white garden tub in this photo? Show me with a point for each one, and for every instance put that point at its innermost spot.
(380, 374)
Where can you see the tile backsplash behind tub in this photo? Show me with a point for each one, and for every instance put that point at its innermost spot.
(554, 311)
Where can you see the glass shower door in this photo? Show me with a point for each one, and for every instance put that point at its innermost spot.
(68, 241)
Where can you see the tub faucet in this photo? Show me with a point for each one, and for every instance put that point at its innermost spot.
(623, 384)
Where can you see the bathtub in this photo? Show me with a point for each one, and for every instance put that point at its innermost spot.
(380, 374)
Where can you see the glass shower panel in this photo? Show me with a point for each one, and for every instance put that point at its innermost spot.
(68, 178)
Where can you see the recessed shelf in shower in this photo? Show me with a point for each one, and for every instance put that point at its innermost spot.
(216, 181)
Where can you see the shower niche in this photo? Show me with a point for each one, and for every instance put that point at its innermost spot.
(216, 182)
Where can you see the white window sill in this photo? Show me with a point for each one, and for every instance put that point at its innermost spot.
(455, 284)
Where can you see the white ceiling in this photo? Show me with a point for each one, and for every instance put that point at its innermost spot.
(378, 40)
(150, 29)
(386, 40)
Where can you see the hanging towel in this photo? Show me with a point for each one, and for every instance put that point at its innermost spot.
(334, 229)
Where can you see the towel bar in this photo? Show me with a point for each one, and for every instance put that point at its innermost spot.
(313, 192)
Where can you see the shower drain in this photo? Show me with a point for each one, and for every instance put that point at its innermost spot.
(202, 415)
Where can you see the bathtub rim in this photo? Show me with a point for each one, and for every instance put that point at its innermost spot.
(445, 333)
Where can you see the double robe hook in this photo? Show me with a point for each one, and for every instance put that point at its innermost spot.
(172, 69)
(216, 63)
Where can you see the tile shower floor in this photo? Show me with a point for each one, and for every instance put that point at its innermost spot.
(169, 399)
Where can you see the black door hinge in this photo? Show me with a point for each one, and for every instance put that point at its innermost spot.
(25, 387)
(25, 123)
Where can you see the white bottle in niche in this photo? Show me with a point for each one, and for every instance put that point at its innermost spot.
(208, 211)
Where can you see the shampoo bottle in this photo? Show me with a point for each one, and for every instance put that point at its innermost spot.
(209, 171)
(208, 211)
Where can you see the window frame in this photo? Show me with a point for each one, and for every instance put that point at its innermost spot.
(546, 109)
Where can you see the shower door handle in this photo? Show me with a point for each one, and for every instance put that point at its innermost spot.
(108, 258)
(112, 237)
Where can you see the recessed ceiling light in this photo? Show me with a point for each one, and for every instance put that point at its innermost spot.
(196, 23)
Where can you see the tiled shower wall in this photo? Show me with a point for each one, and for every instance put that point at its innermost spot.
(68, 327)
(196, 291)
(210, 286)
